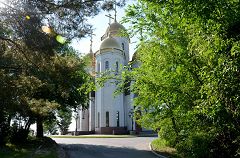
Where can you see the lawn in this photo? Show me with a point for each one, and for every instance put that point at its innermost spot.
(160, 147)
(33, 148)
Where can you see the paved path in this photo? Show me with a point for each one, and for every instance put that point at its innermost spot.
(107, 147)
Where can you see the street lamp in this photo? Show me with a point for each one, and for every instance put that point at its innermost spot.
(131, 114)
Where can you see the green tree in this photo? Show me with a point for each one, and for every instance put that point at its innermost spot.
(50, 126)
(38, 74)
(60, 122)
(64, 120)
(187, 83)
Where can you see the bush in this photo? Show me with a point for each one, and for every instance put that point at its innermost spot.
(160, 145)
(19, 136)
(167, 133)
(196, 145)
(4, 133)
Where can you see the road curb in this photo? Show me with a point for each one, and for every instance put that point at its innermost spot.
(155, 153)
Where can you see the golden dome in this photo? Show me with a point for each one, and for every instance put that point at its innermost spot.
(110, 43)
(115, 29)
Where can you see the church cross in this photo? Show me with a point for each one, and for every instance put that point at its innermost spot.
(110, 17)
(91, 41)
(115, 11)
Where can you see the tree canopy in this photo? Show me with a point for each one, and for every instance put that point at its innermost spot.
(40, 74)
(187, 84)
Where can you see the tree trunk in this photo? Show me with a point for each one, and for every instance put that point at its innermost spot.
(175, 128)
(39, 127)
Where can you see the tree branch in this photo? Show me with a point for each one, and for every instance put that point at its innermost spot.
(20, 49)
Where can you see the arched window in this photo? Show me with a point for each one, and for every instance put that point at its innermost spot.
(117, 118)
(83, 114)
(98, 120)
(107, 119)
(117, 66)
(122, 46)
(106, 65)
(98, 67)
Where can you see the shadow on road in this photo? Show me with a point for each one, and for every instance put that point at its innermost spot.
(102, 151)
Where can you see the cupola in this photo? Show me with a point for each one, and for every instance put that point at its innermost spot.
(109, 43)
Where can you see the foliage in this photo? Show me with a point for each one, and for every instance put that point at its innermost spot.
(64, 120)
(59, 123)
(160, 146)
(187, 82)
(50, 126)
(198, 144)
(35, 148)
(66, 18)
(38, 74)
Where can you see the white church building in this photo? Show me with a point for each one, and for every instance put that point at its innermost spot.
(109, 113)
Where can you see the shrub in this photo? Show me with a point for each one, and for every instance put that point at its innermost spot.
(166, 132)
(19, 136)
(196, 145)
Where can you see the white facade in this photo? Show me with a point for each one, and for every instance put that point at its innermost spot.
(109, 113)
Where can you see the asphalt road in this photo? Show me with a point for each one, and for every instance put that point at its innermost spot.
(107, 147)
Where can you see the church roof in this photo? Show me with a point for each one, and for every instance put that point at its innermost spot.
(115, 29)
(110, 43)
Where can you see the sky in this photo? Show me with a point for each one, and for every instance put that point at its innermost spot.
(100, 24)
(1, 2)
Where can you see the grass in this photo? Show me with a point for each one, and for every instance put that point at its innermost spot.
(34, 148)
(94, 136)
(160, 146)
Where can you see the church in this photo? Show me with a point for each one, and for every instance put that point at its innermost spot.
(108, 113)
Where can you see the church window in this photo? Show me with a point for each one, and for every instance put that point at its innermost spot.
(106, 65)
(98, 67)
(83, 114)
(98, 120)
(107, 119)
(117, 118)
(122, 46)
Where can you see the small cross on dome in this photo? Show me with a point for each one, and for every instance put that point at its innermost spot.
(110, 17)
(115, 11)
